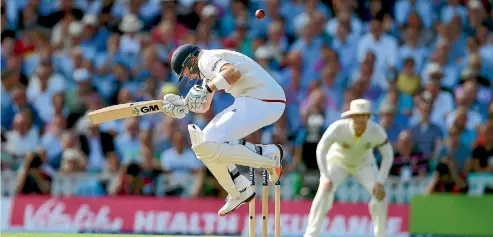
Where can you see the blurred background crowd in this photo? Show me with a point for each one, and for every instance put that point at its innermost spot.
(427, 66)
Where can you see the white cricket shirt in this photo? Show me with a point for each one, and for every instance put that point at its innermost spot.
(255, 82)
(339, 144)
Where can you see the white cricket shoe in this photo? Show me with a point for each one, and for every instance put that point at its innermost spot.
(233, 203)
(275, 152)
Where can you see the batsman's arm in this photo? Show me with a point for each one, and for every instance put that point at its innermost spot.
(227, 76)
(323, 148)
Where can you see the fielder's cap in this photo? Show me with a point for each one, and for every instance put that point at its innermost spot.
(358, 106)
(180, 57)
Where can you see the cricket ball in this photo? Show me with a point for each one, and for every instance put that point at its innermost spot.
(260, 14)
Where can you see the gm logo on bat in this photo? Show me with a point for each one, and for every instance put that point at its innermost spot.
(145, 109)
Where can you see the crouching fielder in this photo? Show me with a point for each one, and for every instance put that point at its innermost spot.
(259, 101)
(346, 149)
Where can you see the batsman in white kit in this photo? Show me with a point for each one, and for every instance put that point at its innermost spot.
(259, 102)
(346, 148)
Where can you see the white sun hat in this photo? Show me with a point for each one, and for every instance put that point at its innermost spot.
(75, 28)
(90, 19)
(263, 52)
(474, 4)
(130, 23)
(209, 10)
(358, 106)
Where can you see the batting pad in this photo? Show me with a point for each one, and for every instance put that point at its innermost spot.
(224, 153)
(220, 171)
(196, 135)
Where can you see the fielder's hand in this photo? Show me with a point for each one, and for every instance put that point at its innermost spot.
(378, 191)
(175, 106)
(196, 97)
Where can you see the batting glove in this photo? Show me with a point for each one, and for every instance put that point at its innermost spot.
(175, 106)
(196, 97)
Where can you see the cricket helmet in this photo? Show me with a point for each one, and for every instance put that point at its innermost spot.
(182, 58)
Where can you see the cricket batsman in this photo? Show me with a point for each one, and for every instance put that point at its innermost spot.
(346, 149)
(259, 101)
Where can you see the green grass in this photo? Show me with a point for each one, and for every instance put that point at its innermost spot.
(85, 235)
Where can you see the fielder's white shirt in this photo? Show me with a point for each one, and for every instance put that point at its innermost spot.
(339, 144)
(255, 82)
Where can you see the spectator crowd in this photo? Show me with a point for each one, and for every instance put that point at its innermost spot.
(427, 66)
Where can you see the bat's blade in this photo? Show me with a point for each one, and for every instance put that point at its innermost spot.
(128, 110)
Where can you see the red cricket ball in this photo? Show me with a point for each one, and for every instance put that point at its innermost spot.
(260, 14)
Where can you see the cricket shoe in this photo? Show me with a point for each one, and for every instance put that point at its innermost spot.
(275, 152)
(233, 203)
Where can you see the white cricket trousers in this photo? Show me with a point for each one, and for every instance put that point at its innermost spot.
(322, 203)
(245, 116)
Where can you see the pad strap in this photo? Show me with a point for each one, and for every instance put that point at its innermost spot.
(234, 174)
(258, 149)
(254, 147)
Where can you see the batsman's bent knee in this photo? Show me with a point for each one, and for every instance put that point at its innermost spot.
(232, 153)
(208, 151)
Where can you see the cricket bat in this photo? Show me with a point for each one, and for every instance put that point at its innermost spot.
(127, 110)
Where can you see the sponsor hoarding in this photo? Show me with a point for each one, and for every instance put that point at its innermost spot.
(186, 216)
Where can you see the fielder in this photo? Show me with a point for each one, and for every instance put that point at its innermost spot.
(259, 101)
(346, 149)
